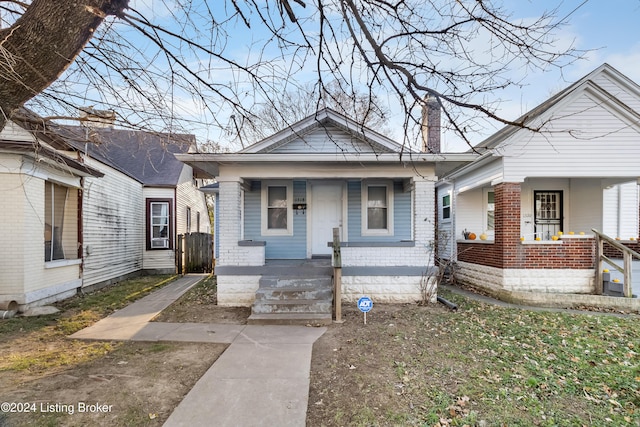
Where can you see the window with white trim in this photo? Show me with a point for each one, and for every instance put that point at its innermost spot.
(377, 209)
(159, 224)
(490, 208)
(277, 208)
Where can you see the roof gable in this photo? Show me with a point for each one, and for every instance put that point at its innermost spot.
(607, 83)
(325, 132)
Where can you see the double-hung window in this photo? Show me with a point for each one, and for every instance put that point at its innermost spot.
(377, 209)
(159, 224)
(446, 207)
(60, 222)
(277, 208)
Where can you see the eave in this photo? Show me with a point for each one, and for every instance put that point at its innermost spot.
(50, 157)
(207, 165)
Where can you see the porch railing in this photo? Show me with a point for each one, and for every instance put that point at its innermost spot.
(626, 269)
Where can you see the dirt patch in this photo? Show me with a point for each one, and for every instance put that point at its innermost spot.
(200, 305)
(46, 376)
(137, 384)
(359, 375)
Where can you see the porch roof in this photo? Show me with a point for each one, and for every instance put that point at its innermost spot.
(207, 165)
(49, 156)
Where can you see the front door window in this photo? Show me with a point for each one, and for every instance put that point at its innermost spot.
(548, 213)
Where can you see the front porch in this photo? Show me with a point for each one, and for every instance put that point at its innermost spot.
(516, 263)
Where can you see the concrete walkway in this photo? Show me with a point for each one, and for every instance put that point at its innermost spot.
(261, 379)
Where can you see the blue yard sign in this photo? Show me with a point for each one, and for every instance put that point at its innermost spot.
(364, 305)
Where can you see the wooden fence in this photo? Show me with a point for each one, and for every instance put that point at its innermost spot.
(194, 253)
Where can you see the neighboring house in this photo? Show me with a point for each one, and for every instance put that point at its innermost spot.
(579, 173)
(280, 199)
(80, 214)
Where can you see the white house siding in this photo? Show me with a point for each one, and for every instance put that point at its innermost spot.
(469, 209)
(113, 226)
(583, 129)
(160, 260)
(625, 91)
(189, 196)
(13, 132)
(445, 227)
(585, 205)
(24, 275)
(620, 211)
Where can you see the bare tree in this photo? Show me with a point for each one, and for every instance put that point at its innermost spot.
(270, 117)
(173, 65)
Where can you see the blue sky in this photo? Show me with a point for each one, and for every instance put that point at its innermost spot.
(607, 29)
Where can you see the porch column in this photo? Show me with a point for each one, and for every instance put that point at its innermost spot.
(424, 212)
(229, 216)
(507, 222)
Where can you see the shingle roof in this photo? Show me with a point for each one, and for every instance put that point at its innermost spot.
(145, 156)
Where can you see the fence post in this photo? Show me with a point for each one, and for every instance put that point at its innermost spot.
(179, 254)
(337, 275)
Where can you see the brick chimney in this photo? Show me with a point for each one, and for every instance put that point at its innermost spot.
(431, 125)
(97, 118)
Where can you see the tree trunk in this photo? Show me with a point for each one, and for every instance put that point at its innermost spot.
(42, 43)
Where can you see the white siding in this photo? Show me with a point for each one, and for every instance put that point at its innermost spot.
(587, 137)
(113, 225)
(625, 92)
(445, 228)
(585, 201)
(24, 275)
(13, 132)
(470, 213)
(189, 196)
(620, 211)
(481, 176)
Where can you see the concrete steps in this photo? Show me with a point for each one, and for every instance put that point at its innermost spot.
(293, 300)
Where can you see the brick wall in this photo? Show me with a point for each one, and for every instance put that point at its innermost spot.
(509, 252)
(612, 252)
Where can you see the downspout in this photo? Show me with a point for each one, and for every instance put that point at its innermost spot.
(454, 242)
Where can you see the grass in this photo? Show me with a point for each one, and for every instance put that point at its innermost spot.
(482, 365)
(34, 345)
(539, 368)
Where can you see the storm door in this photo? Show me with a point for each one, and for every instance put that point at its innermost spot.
(548, 213)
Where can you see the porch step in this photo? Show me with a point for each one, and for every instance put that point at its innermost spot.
(290, 319)
(285, 300)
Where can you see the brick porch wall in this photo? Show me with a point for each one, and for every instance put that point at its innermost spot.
(508, 251)
(612, 252)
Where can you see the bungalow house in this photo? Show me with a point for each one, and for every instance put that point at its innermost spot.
(278, 201)
(86, 207)
(532, 198)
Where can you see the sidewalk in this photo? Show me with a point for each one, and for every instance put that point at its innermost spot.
(261, 379)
